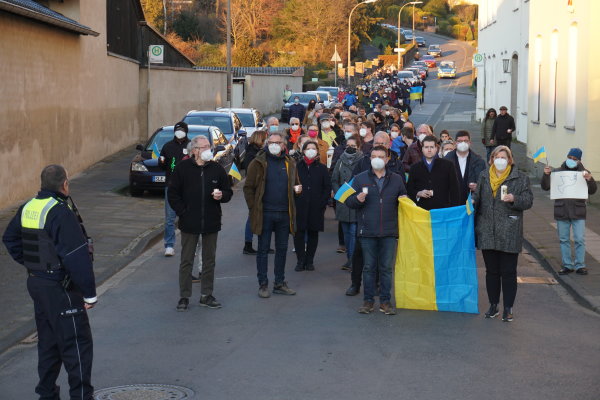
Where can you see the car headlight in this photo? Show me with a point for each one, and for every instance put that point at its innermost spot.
(139, 167)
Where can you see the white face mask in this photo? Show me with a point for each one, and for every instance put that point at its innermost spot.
(206, 155)
(295, 127)
(421, 137)
(274, 149)
(394, 134)
(348, 135)
(462, 146)
(387, 113)
(179, 134)
(445, 153)
(377, 164)
(501, 164)
(325, 124)
(363, 132)
(310, 153)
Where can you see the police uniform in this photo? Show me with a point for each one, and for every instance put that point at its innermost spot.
(45, 236)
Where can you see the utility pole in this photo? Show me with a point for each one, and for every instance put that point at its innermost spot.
(229, 77)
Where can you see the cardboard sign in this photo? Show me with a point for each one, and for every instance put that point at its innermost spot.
(568, 185)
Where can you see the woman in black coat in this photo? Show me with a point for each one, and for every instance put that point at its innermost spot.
(310, 205)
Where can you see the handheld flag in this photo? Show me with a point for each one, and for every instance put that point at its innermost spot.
(469, 205)
(155, 151)
(416, 92)
(541, 153)
(344, 192)
(235, 172)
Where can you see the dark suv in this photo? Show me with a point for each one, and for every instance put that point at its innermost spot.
(304, 99)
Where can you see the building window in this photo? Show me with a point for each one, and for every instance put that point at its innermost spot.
(572, 68)
(537, 80)
(552, 76)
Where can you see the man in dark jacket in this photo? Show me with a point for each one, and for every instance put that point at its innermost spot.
(503, 128)
(271, 184)
(571, 213)
(376, 199)
(198, 187)
(47, 239)
(468, 165)
(297, 110)
(432, 182)
(171, 153)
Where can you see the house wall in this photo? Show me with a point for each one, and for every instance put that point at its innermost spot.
(265, 92)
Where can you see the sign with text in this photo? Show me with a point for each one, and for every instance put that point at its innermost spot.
(156, 53)
(568, 185)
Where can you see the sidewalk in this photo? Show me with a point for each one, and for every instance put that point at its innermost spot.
(121, 226)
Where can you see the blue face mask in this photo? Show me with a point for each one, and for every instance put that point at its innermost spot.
(571, 163)
(274, 128)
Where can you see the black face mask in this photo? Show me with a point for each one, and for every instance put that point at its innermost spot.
(350, 150)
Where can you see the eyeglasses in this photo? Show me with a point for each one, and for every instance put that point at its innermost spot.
(275, 143)
(379, 144)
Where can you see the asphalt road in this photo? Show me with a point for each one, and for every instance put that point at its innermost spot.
(315, 345)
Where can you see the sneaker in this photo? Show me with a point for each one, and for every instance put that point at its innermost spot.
(263, 291)
(183, 304)
(507, 315)
(366, 308)
(196, 279)
(282, 288)
(387, 309)
(248, 249)
(492, 312)
(565, 271)
(578, 271)
(299, 266)
(169, 252)
(341, 250)
(347, 266)
(310, 267)
(209, 301)
(353, 291)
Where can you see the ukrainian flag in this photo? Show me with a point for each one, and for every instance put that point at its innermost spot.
(541, 153)
(345, 191)
(416, 92)
(235, 172)
(435, 262)
(155, 151)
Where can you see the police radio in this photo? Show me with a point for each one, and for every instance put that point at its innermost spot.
(90, 241)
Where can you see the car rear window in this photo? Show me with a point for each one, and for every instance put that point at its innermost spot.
(222, 122)
(166, 135)
(247, 119)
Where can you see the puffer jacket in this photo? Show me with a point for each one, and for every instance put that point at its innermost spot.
(342, 172)
(570, 209)
(486, 131)
(499, 225)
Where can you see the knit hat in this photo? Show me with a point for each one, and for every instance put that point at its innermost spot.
(575, 152)
(181, 126)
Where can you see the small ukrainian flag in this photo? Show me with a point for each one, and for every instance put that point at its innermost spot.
(469, 205)
(344, 192)
(155, 151)
(235, 172)
(541, 153)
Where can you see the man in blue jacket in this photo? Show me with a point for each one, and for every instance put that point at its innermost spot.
(376, 199)
(46, 237)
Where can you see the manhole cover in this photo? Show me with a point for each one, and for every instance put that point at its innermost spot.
(144, 392)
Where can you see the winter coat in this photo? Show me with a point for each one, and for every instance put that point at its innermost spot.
(501, 124)
(342, 172)
(394, 165)
(475, 165)
(442, 180)
(378, 215)
(297, 111)
(190, 195)
(486, 130)
(254, 189)
(251, 152)
(498, 224)
(569, 209)
(173, 152)
(316, 190)
(413, 155)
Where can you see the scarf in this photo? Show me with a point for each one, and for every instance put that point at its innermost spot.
(308, 161)
(495, 180)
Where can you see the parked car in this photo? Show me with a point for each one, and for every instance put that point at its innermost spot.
(429, 60)
(447, 69)
(408, 75)
(414, 71)
(144, 172)
(250, 118)
(325, 96)
(434, 50)
(422, 66)
(304, 99)
(408, 34)
(331, 89)
(420, 71)
(228, 122)
(420, 41)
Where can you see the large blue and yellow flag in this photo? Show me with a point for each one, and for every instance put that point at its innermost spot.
(416, 92)
(435, 264)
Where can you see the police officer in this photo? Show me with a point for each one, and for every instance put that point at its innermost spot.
(47, 238)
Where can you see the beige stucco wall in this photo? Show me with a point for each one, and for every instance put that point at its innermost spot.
(546, 17)
(265, 92)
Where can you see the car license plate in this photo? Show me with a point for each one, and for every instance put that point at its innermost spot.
(158, 178)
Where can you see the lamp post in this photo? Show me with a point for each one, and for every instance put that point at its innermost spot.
(399, 13)
(349, 19)
(413, 29)
(228, 69)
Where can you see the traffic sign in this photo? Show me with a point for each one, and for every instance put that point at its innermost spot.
(478, 60)
(399, 50)
(156, 53)
(336, 57)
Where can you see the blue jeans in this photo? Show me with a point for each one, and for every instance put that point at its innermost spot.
(378, 252)
(278, 222)
(169, 223)
(248, 231)
(349, 229)
(564, 235)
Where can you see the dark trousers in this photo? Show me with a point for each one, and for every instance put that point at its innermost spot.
(501, 275)
(504, 142)
(305, 251)
(340, 235)
(357, 265)
(64, 337)
(189, 241)
(278, 222)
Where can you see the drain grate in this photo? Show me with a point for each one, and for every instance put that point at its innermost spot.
(144, 392)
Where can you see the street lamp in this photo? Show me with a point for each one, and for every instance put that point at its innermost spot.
(413, 4)
(399, 13)
(349, 19)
